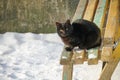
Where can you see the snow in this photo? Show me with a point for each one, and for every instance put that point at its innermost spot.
(28, 56)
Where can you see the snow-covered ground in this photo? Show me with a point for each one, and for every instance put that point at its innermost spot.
(28, 56)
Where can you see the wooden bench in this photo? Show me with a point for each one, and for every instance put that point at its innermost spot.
(105, 13)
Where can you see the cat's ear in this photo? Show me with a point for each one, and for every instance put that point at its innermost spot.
(58, 24)
(68, 21)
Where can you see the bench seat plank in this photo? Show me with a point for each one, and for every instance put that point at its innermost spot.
(78, 57)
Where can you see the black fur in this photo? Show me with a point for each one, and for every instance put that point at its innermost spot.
(81, 33)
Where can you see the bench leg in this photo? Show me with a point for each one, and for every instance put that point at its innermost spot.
(67, 72)
(109, 69)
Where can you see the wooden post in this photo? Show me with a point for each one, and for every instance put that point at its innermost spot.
(67, 72)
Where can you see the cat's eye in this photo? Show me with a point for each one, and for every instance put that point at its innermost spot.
(67, 29)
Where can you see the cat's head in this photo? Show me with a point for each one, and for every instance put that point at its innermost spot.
(64, 29)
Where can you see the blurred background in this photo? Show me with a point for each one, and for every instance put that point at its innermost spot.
(37, 16)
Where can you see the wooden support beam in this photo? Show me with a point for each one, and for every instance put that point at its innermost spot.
(67, 72)
(113, 21)
(111, 65)
(110, 32)
(109, 69)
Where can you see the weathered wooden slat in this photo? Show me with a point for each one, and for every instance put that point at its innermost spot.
(99, 20)
(111, 26)
(78, 57)
(100, 14)
(89, 15)
(80, 10)
(93, 56)
(104, 17)
(113, 21)
(90, 10)
(66, 57)
(67, 72)
(117, 35)
(111, 65)
(78, 15)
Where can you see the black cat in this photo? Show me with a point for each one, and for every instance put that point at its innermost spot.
(81, 33)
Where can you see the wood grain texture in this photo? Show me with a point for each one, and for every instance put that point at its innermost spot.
(116, 52)
(100, 14)
(89, 15)
(106, 53)
(90, 10)
(112, 64)
(80, 10)
(78, 15)
(113, 20)
(110, 33)
(78, 57)
(111, 28)
(66, 57)
(104, 17)
(109, 69)
(67, 72)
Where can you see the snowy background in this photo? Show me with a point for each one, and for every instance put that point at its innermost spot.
(28, 56)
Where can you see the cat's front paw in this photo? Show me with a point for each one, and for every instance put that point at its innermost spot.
(68, 49)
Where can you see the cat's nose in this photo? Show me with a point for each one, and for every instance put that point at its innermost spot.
(62, 31)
